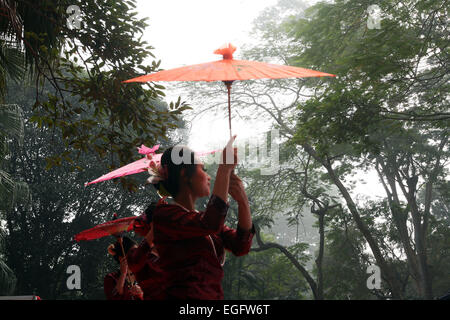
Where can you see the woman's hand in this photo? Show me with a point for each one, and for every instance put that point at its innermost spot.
(221, 185)
(123, 274)
(237, 192)
(229, 155)
(236, 189)
(137, 292)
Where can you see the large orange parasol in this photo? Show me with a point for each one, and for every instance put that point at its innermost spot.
(229, 70)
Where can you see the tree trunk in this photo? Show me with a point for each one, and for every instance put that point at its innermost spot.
(424, 281)
(386, 270)
(400, 219)
(320, 256)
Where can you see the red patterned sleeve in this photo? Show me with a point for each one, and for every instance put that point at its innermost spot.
(177, 223)
(237, 240)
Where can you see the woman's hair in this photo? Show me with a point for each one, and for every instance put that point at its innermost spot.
(174, 160)
(116, 250)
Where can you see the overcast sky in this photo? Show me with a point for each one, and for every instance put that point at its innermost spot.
(187, 32)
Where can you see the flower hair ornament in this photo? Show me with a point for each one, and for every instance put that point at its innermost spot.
(158, 173)
(155, 170)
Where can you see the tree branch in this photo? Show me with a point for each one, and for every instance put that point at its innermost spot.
(271, 245)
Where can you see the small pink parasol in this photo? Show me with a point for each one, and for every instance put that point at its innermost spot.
(140, 165)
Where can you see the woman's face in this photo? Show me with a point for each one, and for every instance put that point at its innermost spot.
(200, 181)
(141, 225)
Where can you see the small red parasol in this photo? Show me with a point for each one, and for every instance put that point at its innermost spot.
(110, 228)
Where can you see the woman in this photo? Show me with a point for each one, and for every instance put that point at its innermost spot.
(143, 260)
(121, 285)
(192, 244)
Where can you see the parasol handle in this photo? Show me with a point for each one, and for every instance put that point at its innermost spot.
(228, 84)
(130, 282)
(125, 257)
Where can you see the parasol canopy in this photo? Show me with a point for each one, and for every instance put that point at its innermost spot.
(229, 70)
(140, 165)
(109, 228)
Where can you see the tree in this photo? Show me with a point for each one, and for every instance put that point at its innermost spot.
(268, 274)
(345, 264)
(39, 243)
(399, 69)
(291, 190)
(264, 273)
(376, 82)
(11, 190)
(89, 61)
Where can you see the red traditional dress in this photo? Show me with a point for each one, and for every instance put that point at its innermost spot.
(192, 245)
(145, 266)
